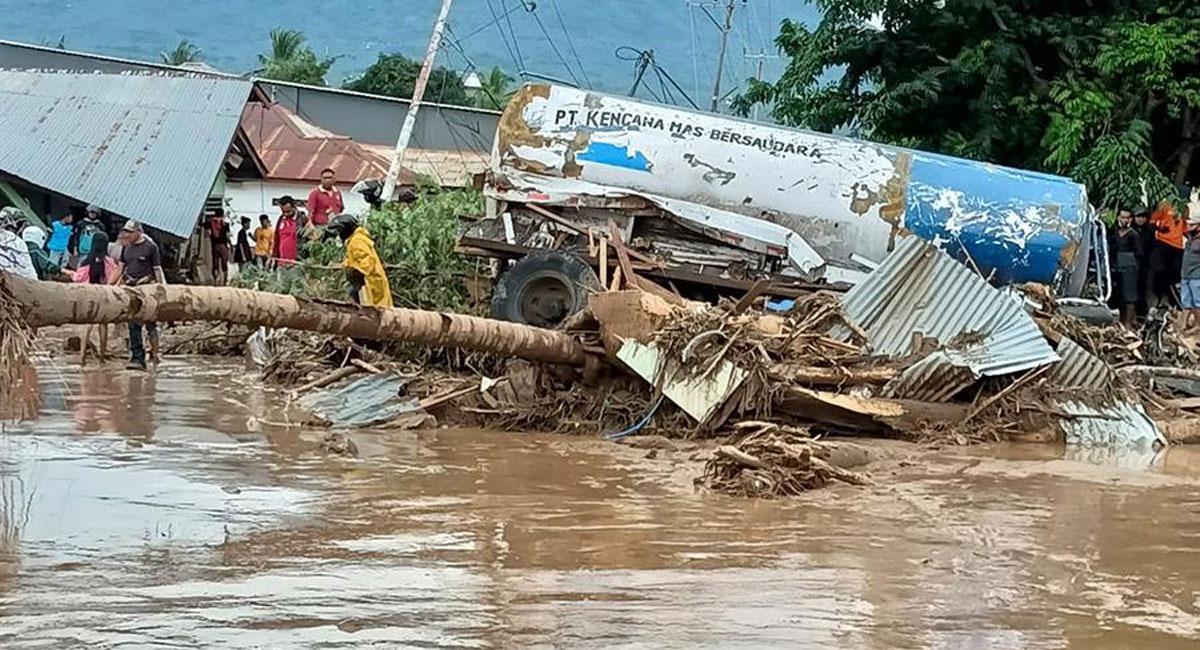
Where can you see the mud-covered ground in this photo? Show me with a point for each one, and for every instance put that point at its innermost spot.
(161, 509)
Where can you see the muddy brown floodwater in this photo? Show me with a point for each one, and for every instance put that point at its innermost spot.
(158, 510)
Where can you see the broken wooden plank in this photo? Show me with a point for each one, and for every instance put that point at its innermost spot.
(755, 291)
(374, 370)
(438, 400)
(1185, 403)
(622, 251)
(565, 223)
(737, 455)
(603, 261)
(325, 380)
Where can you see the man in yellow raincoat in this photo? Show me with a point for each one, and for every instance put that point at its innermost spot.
(364, 270)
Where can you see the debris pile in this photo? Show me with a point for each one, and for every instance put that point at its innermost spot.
(773, 462)
(773, 350)
(923, 349)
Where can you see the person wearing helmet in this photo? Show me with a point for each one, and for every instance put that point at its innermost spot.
(35, 242)
(371, 191)
(364, 270)
(86, 229)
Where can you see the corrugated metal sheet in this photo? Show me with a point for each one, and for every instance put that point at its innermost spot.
(921, 290)
(1079, 368)
(1119, 425)
(369, 400)
(936, 378)
(145, 147)
(295, 150)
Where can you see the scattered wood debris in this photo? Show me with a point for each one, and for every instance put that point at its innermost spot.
(772, 462)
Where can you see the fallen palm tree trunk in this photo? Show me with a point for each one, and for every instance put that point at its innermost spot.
(50, 303)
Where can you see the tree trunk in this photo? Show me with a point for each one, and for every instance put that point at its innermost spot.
(1184, 164)
(831, 376)
(51, 303)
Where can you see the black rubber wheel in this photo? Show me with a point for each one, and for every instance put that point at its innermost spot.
(543, 289)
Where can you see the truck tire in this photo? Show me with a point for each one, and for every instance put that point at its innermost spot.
(543, 289)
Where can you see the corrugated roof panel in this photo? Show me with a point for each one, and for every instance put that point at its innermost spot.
(362, 402)
(921, 290)
(1120, 425)
(1079, 368)
(936, 378)
(145, 147)
(295, 150)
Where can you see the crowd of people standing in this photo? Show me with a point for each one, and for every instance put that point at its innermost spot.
(1154, 257)
(80, 247)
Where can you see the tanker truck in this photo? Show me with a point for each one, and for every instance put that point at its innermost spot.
(708, 204)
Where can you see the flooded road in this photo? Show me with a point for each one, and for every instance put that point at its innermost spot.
(163, 510)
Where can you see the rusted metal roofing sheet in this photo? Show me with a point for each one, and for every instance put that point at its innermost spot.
(921, 290)
(295, 150)
(145, 147)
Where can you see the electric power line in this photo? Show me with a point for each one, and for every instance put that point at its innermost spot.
(512, 32)
(504, 37)
(570, 43)
(455, 43)
(531, 9)
(643, 61)
(495, 20)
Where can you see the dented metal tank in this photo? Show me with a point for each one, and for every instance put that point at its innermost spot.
(842, 197)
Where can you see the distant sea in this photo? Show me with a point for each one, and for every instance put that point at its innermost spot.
(231, 33)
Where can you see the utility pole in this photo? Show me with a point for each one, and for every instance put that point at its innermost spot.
(758, 73)
(410, 118)
(725, 29)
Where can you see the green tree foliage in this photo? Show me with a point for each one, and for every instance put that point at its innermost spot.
(292, 60)
(417, 242)
(495, 90)
(1107, 92)
(395, 75)
(184, 52)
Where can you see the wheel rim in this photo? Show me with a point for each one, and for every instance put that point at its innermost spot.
(545, 301)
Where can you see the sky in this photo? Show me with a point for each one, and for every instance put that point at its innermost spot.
(583, 34)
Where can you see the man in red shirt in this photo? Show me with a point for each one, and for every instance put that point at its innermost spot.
(286, 249)
(325, 200)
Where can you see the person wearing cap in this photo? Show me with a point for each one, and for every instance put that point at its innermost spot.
(364, 270)
(1189, 285)
(140, 264)
(86, 228)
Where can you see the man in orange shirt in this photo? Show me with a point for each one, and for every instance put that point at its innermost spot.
(1167, 256)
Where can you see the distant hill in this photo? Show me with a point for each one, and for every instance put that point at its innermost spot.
(231, 33)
